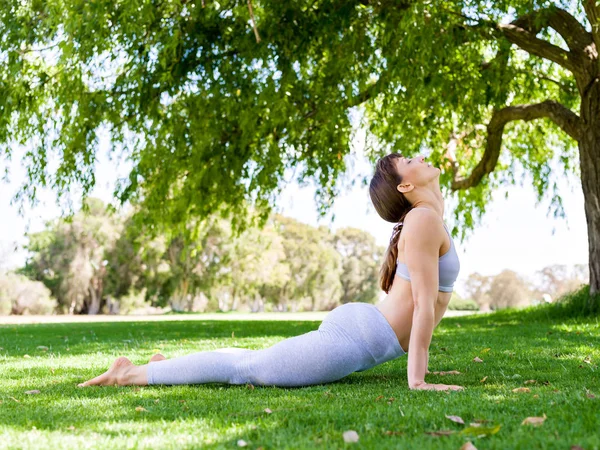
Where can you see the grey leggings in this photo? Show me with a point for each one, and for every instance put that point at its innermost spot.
(351, 338)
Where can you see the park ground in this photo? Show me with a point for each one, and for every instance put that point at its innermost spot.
(517, 366)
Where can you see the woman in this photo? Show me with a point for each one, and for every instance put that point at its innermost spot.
(355, 336)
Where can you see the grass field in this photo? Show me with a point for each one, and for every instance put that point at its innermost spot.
(515, 347)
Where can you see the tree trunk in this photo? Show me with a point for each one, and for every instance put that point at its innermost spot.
(589, 160)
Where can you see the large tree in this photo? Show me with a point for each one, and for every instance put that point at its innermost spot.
(213, 100)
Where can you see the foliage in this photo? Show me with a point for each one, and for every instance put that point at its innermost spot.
(20, 295)
(211, 115)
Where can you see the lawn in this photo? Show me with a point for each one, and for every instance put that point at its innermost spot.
(515, 347)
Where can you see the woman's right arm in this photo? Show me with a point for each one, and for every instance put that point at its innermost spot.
(422, 243)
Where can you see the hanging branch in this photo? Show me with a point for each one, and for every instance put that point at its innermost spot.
(253, 21)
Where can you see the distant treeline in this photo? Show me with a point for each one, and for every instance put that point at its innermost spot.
(100, 261)
(104, 262)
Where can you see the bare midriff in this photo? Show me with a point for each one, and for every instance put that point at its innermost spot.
(398, 307)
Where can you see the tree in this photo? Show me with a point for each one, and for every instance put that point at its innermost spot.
(212, 109)
(69, 257)
(509, 290)
(477, 288)
(361, 259)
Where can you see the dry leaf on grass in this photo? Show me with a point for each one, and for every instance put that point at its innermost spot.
(589, 394)
(242, 443)
(350, 436)
(379, 398)
(393, 433)
(34, 391)
(468, 446)
(42, 347)
(448, 372)
(534, 420)
(268, 411)
(477, 359)
(485, 350)
(483, 379)
(250, 386)
(529, 381)
(71, 428)
(521, 389)
(140, 408)
(456, 419)
(440, 432)
(26, 356)
(18, 401)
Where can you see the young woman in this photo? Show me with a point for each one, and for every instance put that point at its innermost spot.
(418, 274)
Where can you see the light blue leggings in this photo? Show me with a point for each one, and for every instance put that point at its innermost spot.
(352, 338)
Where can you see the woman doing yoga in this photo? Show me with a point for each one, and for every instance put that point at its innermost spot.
(418, 274)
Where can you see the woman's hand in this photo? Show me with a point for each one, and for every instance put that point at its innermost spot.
(436, 387)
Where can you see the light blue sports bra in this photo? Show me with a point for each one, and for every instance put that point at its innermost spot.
(449, 267)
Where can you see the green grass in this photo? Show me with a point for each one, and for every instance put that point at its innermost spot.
(536, 344)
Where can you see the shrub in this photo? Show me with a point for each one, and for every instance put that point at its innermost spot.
(20, 295)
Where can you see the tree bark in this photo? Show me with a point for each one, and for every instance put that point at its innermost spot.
(589, 160)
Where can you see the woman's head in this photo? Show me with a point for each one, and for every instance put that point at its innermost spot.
(397, 178)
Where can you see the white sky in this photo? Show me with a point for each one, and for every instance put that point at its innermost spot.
(514, 234)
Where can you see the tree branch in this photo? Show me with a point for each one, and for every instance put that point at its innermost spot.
(571, 30)
(566, 119)
(592, 10)
(538, 47)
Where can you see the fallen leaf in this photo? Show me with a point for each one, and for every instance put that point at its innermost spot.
(52, 369)
(140, 408)
(393, 433)
(379, 398)
(474, 424)
(481, 420)
(268, 411)
(589, 394)
(250, 386)
(534, 420)
(477, 359)
(15, 399)
(576, 447)
(483, 379)
(390, 400)
(458, 325)
(529, 381)
(35, 391)
(71, 428)
(350, 436)
(450, 372)
(26, 356)
(456, 419)
(157, 400)
(587, 360)
(242, 443)
(485, 350)
(181, 401)
(468, 446)
(521, 389)
(440, 432)
(536, 396)
(480, 431)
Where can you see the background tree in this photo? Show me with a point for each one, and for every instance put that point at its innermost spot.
(69, 257)
(361, 258)
(212, 110)
(509, 290)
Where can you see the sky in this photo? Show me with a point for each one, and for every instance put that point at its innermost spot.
(515, 233)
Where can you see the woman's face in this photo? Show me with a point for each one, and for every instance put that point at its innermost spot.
(415, 172)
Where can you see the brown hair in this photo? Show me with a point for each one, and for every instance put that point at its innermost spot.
(392, 206)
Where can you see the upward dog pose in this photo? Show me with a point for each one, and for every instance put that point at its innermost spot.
(418, 274)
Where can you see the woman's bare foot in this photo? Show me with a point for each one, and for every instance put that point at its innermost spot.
(122, 372)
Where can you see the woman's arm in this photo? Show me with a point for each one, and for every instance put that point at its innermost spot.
(422, 243)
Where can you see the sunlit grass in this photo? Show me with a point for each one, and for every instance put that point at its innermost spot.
(561, 355)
